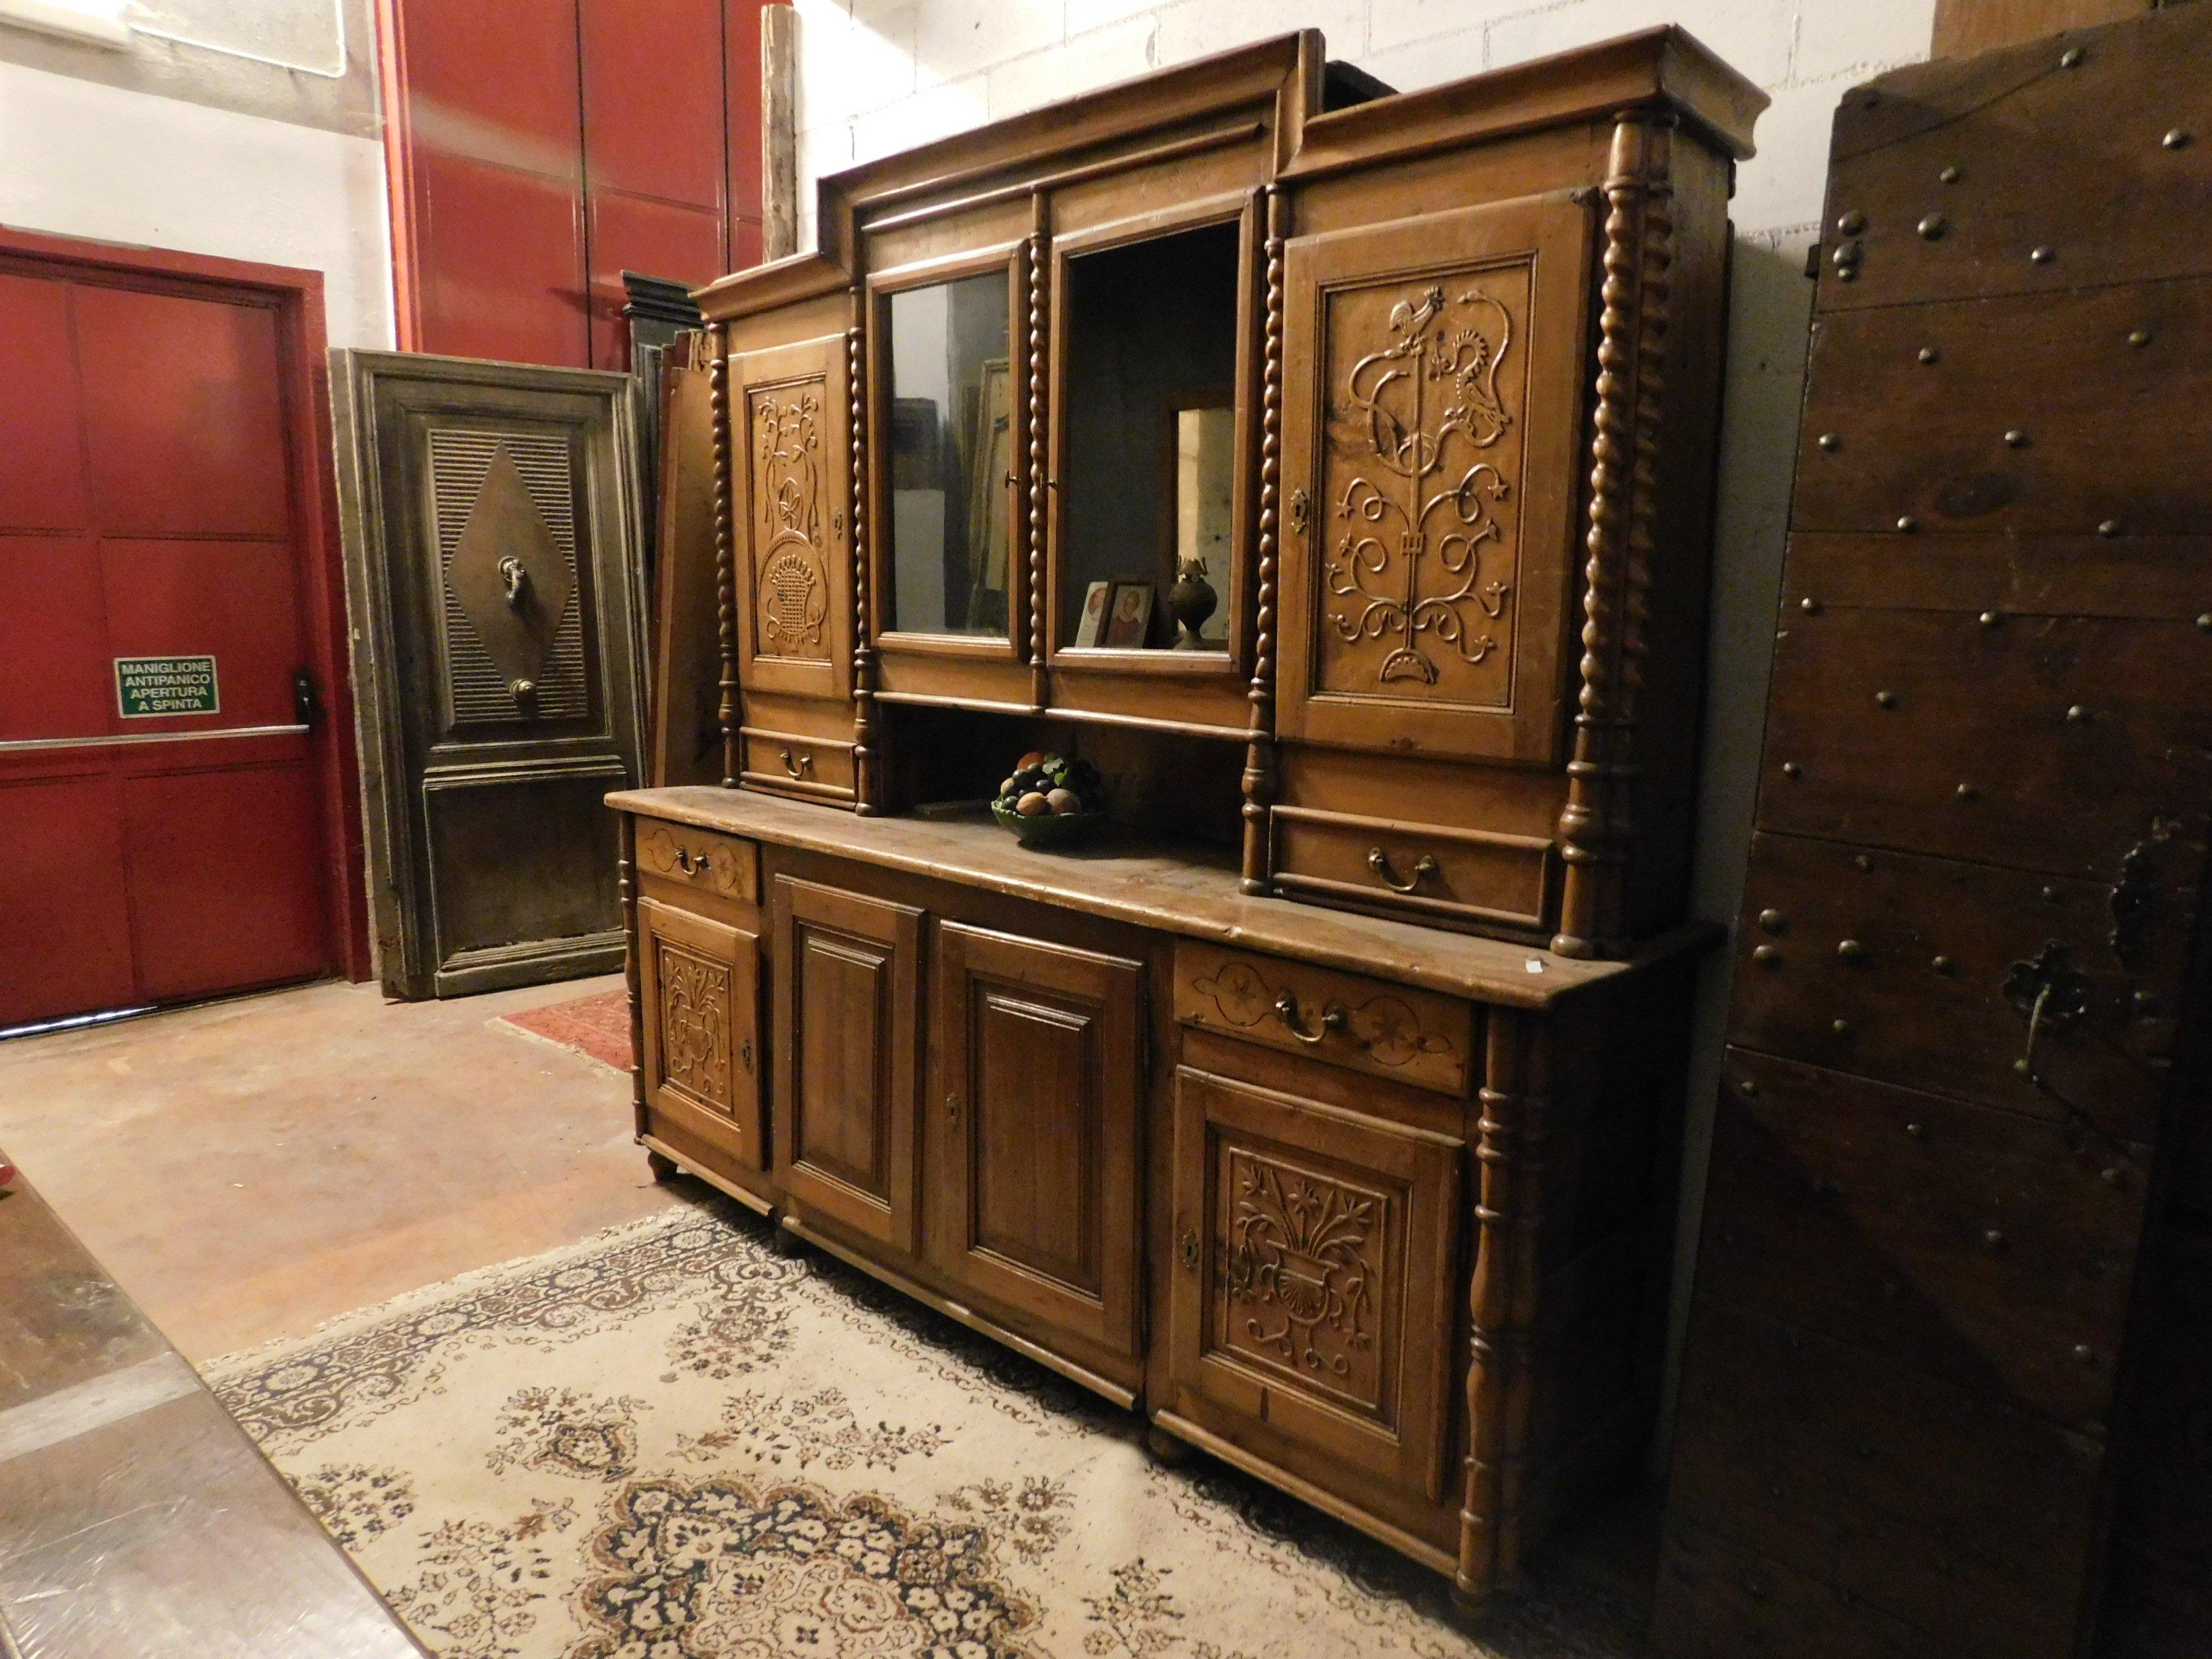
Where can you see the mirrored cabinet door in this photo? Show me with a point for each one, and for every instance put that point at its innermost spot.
(1146, 480)
(949, 429)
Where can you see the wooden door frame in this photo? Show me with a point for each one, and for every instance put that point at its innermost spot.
(303, 378)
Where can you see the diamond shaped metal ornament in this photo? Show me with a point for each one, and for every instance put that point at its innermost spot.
(509, 577)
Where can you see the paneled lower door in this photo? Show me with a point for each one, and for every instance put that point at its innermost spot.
(492, 543)
(1032, 1137)
(847, 1027)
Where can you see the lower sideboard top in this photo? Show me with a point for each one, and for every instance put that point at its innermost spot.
(1175, 888)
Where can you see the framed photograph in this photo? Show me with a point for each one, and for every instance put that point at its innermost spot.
(1129, 621)
(1091, 626)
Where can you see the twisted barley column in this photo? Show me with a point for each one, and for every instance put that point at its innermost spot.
(1595, 825)
(726, 549)
(632, 971)
(864, 650)
(1260, 750)
(1515, 1101)
(1038, 483)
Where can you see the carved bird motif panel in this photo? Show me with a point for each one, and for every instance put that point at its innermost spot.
(1415, 529)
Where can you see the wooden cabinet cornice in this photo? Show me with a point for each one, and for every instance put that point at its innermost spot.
(1331, 469)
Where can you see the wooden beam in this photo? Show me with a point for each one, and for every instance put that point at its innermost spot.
(779, 130)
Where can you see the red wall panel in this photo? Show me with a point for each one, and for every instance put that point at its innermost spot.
(502, 265)
(630, 233)
(653, 100)
(184, 408)
(42, 485)
(206, 913)
(53, 653)
(59, 882)
(539, 148)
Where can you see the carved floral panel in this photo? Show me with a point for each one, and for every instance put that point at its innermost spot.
(695, 1023)
(1302, 1282)
(1414, 530)
(792, 520)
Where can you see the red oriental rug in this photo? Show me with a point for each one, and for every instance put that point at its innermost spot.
(597, 1026)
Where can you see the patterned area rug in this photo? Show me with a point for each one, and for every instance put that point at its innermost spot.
(597, 1026)
(669, 1442)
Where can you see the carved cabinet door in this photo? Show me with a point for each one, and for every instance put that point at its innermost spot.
(1032, 1141)
(848, 1024)
(791, 499)
(700, 982)
(1432, 442)
(1317, 1262)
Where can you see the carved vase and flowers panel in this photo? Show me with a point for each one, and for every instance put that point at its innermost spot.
(1299, 1285)
(695, 1023)
(1418, 515)
(1432, 450)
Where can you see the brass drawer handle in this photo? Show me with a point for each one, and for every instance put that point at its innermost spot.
(800, 766)
(1189, 1250)
(1332, 1019)
(691, 865)
(1379, 862)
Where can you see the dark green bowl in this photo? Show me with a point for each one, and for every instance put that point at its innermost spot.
(1047, 830)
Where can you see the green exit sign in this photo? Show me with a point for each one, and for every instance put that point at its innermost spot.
(151, 686)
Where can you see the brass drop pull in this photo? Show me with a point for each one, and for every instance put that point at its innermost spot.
(800, 765)
(1189, 1250)
(689, 863)
(1333, 1018)
(1379, 862)
(516, 579)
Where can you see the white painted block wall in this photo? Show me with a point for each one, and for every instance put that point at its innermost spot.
(111, 164)
(878, 75)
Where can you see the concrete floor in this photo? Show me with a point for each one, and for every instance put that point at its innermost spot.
(247, 1169)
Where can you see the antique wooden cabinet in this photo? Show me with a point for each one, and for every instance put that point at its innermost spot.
(1964, 1047)
(1322, 1112)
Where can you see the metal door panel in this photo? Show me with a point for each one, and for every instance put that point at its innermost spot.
(42, 485)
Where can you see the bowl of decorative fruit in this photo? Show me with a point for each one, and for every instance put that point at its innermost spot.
(1051, 800)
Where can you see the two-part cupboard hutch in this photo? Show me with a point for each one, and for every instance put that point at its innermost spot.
(1322, 1109)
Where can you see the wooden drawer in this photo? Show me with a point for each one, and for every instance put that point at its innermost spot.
(1472, 877)
(1315, 1273)
(1924, 972)
(788, 763)
(1390, 1031)
(1976, 1244)
(700, 859)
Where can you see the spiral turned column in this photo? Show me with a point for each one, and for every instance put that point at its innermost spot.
(1595, 826)
(726, 550)
(1260, 749)
(864, 794)
(1039, 484)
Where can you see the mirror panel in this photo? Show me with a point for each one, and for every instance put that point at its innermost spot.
(950, 448)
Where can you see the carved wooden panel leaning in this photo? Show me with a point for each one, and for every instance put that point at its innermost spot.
(1312, 1253)
(1432, 414)
(1032, 1141)
(847, 1023)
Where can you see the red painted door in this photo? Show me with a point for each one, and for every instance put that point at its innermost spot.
(160, 833)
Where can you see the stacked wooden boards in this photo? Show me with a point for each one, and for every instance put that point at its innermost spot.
(1955, 1076)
